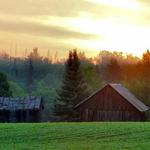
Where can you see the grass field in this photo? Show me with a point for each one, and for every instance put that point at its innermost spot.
(75, 136)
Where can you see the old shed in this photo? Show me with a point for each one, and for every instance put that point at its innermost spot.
(22, 109)
(112, 103)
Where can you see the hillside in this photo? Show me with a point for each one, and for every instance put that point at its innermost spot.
(75, 136)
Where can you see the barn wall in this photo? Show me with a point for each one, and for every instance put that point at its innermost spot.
(108, 105)
(28, 116)
(20, 116)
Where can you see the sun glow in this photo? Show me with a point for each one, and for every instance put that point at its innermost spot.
(92, 25)
(111, 34)
(114, 32)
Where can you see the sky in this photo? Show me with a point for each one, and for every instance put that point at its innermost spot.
(87, 25)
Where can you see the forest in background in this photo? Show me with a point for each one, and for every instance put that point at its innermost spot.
(41, 76)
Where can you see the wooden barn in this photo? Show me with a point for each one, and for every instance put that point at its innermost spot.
(112, 103)
(25, 109)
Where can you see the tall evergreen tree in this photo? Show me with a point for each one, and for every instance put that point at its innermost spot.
(14, 69)
(146, 58)
(30, 76)
(74, 88)
(4, 86)
(145, 70)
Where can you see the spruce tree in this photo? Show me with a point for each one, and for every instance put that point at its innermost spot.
(14, 69)
(30, 76)
(4, 86)
(74, 88)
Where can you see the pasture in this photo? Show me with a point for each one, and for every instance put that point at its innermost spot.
(75, 136)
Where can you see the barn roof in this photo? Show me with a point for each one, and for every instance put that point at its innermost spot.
(129, 97)
(20, 103)
(125, 93)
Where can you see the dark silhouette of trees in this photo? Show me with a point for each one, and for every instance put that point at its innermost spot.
(4, 86)
(34, 55)
(74, 88)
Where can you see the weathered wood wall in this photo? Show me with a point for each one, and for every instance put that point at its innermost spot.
(20, 116)
(108, 105)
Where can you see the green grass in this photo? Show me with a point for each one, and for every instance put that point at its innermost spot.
(75, 136)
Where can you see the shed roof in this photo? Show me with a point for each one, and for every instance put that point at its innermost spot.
(126, 94)
(21, 103)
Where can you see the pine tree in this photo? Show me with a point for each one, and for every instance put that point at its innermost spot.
(146, 64)
(74, 88)
(30, 76)
(14, 69)
(146, 58)
(4, 86)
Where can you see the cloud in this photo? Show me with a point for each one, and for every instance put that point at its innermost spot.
(44, 7)
(144, 2)
(37, 29)
(59, 23)
(59, 8)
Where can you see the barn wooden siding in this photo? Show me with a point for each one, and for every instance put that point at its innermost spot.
(22, 109)
(109, 105)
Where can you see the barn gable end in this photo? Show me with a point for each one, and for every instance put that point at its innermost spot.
(113, 102)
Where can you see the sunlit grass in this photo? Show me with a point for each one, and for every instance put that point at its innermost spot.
(73, 136)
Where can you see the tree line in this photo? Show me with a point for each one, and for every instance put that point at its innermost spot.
(65, 84)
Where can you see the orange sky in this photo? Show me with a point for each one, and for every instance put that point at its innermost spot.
(88, 25)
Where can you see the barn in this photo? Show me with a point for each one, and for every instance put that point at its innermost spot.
(112, 103)
(21, 109)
